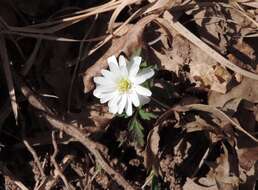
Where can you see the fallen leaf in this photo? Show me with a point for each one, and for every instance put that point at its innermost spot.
(216, 77)
(245, 90)
(224, 173)
(127, 44)
(243, 55)
(151, 160)
(191, 185)
(247, 157)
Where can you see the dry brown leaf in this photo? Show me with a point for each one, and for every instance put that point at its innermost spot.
(94, 114)
(190, 185)
(172, 59)
(216, 77)
(168, 18)
(212, 26)
(198, 125)
(247, 157)
(248, 167)
(151, 160)
(100, 115)
(245, 90)
(203, 69)
(243, 55)
(223, 172)
(127, 44)
(220, 114)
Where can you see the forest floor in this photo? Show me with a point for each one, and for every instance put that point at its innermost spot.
(198, 131)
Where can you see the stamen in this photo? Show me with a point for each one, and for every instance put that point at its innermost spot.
(124, 85)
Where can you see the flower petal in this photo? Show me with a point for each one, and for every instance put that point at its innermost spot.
(113, 109)
(134, 66)
(135, 99)
(97, 94)
(144, 75)
(129, 107)
(142, 91)
(122, 103)
(103, 81)
(113, 65)
(122, 60)
(107, 96)
(122, 66)
(109, 75)
(143, 99)
(100, 90)
(113, 103)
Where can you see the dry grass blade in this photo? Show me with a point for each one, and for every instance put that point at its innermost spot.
(242, 12)
(168, 22)
(43, 37)
(67, 138)
(121, 30)
(57, 25)
(117, 12)
(159, 6)
(8, 75)
(32, 58)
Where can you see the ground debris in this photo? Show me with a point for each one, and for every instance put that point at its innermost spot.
(199, 130)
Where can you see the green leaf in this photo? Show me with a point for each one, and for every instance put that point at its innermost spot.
(137, 130)
(122, 115)
(146, 115)
(155, 183)
(144, 65)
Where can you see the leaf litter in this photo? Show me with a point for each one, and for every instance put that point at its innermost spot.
(198, 132)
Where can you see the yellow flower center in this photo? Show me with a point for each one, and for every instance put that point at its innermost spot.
(124, 85)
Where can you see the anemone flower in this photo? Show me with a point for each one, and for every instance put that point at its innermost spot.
(121, 85)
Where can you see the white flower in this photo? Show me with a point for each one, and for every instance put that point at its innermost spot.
(121, 85)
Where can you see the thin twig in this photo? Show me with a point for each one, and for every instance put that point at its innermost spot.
(6, 172)
(32, 58)
(35, 157)
(76, 133)
(57, 168)
(91, 146)
(51, 181)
